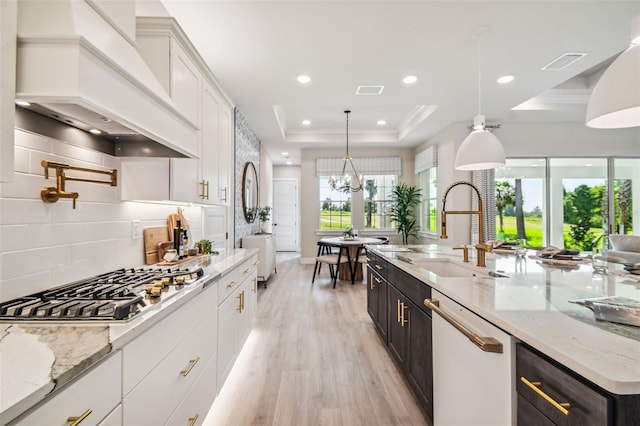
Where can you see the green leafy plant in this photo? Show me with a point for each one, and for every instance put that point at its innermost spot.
(404, 200)
(264, 213)
(204, 246)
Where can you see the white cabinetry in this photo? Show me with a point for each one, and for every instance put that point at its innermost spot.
(238, 304)
(196, 93)
(93, 396)
(162, 365)
(266, 243)
(8, 24)
(463, 372)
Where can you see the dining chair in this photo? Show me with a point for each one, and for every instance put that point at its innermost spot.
(362, 258)
(326, 255)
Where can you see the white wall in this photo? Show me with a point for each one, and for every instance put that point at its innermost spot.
(266, 179)
(42, 245)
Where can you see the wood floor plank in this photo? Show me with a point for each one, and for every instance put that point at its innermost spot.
(313, 358)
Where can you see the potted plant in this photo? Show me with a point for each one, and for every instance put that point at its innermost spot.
(404, 200)
(263, 215)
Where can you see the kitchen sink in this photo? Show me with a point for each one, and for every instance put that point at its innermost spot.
(447, 269)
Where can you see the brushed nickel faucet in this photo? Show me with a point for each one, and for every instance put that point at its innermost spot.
(481, 247)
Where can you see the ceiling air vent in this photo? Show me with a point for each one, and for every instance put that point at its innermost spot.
(563, 61)
(369, 90)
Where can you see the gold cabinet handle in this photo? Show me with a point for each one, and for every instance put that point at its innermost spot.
(75, 421)
(487, 344)
(378, 267)
(207, 186)
(534, 386)
(231, 284)
(371, 283)
(398, 311)
(255, 285)
(378, 280)
(239, 308)
(242, 300)
(257, 262)
(403, 321)
(193, 420)
(246, 271)
(205, 189)
(192, 363)
(224, 198)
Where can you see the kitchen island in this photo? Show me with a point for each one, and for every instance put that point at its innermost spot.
(39, 359)
(527, 299)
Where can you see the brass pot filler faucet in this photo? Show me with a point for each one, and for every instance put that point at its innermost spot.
(481, 247)
(52, 194)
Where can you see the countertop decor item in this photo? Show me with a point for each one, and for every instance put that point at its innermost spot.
(204, 246)
(350, 180)
(480, 150)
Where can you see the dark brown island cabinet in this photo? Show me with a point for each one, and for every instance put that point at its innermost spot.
(547, 392)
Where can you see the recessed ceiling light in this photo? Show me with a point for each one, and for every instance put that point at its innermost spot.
(304, 79)
(23, 103)
(381, 122)
(306, 122)
(289, 163)
(285, 153)
(588, 164)
(506, 79)
(95, 131)
(410, 79)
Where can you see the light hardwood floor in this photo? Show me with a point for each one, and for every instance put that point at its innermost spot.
(313, 358)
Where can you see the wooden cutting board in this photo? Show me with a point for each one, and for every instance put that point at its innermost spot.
(172, 222)
(153, 236)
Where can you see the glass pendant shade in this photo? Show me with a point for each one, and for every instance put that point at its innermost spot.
(615, 100)
(480, 150)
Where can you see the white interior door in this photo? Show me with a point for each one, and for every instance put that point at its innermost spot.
(285, 214)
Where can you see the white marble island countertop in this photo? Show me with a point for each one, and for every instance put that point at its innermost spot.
(532, 304)
(36, 359)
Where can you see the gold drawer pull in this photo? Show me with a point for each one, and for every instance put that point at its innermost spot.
(193, 420)
(378, 267)
(487, 344)
(256, 262)
(403, 320)
(378, 280)
(398, 311)
(192, 363)
(77, 420)
(371, 282)
(246, 271)
(561, 406)
(255, 285)
(231, 284)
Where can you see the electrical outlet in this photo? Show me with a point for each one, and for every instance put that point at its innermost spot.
(136, 229)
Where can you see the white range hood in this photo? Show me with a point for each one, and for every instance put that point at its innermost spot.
(77, 60)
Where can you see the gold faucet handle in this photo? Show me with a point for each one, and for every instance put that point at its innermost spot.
(487, 247)
(465, 252)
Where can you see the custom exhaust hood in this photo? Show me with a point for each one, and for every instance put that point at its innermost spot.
(77, 63)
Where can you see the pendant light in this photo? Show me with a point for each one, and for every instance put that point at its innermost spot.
(350, 180)
(615, 100)
(480, 150)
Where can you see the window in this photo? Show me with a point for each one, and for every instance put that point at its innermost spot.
(335, 207)
(428, 205)
(521, 201)
(376, 195)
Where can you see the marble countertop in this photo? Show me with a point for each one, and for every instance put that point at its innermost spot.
(532, 304)
(36, 359)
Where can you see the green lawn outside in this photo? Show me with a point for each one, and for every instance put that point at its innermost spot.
(533, 230)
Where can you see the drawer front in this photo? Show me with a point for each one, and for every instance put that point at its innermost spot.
(588, 406)
(528, 415)
(195, 406)
(228, 284)
(145, 352)
(114, 418)
(248, 269)
(153, 401)
(96, 393)
(379, 264)
(414, 289)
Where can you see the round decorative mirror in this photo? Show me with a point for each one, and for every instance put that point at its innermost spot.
(250, 192)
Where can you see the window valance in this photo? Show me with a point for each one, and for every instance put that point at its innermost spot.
(426, 159)
(364, 166)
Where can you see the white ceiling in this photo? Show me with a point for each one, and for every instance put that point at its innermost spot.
(257, 48)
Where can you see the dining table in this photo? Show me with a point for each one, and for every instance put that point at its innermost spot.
(353, 245)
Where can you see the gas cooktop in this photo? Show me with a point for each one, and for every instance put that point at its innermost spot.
(114, 296)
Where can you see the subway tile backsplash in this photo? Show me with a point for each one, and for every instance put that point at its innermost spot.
(43, 245)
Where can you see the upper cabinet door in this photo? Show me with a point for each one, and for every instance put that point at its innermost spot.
(210, 146)
(185, 82)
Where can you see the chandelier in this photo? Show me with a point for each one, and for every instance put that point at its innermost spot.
(350, 180)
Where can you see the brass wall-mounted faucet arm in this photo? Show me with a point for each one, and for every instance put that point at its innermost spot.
(52, 194)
